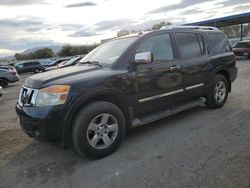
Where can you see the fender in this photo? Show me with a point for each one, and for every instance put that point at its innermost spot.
(125, 102)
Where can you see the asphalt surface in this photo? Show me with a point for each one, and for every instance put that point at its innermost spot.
(196, 148)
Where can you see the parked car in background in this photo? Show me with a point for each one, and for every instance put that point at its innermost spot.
(8, 76)
(64, 64)
(6, 67)
(242, 50)
(1, 91)
(33, 66)
(56, 62)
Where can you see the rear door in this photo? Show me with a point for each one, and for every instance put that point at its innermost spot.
(194, 62)
(157, 85)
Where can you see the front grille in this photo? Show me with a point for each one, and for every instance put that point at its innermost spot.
(239, 53)
(27, 96)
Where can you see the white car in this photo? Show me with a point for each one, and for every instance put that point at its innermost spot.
(1, 91)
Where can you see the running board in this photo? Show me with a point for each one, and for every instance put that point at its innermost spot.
(163, 114)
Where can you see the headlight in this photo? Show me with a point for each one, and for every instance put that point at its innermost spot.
(52, 95)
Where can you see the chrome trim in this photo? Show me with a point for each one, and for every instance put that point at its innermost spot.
(33, 99)
(194, 86)
(161, 95)
(29, 91)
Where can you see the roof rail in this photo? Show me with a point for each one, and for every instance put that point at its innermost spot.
(190, 27)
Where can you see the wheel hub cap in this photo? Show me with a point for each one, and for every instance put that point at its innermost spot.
(220, 91)
(102, 131)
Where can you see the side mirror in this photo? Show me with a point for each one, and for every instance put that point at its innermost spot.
(143, 58)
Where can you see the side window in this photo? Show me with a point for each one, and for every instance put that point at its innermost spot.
(20, 66)
(218, 43)
(190, 44)
(160, 46)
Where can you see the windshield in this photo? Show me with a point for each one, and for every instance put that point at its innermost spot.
(243, 45)
(71, 61)
(107, 53)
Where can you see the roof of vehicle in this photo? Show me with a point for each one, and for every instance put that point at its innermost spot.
(170, 28)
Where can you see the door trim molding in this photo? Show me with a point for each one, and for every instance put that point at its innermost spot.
(194, 86)
(161, 95)
(170, 93)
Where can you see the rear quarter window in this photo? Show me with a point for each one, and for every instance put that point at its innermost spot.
(218, 43)
(190, 44)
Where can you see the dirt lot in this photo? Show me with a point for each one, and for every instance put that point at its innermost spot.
(196, 148)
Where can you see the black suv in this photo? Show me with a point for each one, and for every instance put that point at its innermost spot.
(125, 83)
(33, 66)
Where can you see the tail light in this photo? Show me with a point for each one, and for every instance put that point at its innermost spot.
(13, 72)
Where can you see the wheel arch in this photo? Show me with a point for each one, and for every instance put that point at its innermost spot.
(225, 73)
(112, 97)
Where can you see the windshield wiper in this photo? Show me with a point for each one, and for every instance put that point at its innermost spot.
(92, 63)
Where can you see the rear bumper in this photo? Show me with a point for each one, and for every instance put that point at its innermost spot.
(43, 123)
(14, 80)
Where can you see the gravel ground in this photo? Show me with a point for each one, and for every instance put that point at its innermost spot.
(196, 148)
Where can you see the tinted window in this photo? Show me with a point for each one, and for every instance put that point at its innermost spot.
(32, 63)
(20, 66)
(190, 44)
(160, 46)
(218, 43)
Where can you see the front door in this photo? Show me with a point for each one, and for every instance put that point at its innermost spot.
(159, 84)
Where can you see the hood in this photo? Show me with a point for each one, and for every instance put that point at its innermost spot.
(58, 76)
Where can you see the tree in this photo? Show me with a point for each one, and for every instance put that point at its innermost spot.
(39, 54)
(160, 25)
(122, 33)
(43, 53)
(69, 50)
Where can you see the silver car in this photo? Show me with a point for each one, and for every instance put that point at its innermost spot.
(8, 76)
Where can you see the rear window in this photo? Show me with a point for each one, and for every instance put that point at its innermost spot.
(243, 45)
(218, 43)
(190, 44)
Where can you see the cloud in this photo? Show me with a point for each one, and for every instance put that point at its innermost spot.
(113, 24)
(86, 4)
(20, 2)
(29, 24)
(227, 3)
(190, 3)
(83, 33)
(70, 27)
(21, 44)
(182, 4)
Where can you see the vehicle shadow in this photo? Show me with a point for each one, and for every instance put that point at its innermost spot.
(48, 161)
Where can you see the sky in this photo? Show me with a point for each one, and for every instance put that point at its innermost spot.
(27, 24)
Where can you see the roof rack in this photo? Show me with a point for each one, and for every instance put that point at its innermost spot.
(190, 27)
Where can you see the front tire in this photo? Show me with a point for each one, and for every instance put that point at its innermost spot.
(217, 92)
(98, 129)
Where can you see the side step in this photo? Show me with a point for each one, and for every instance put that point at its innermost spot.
(169, 112)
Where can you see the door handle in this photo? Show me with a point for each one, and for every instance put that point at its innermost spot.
(175, 68)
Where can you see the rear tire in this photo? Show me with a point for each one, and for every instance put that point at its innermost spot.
(98, 129)
(36, 70)
(217, 92)
(4, 83)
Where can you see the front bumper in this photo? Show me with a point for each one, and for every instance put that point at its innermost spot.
(42, 123)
